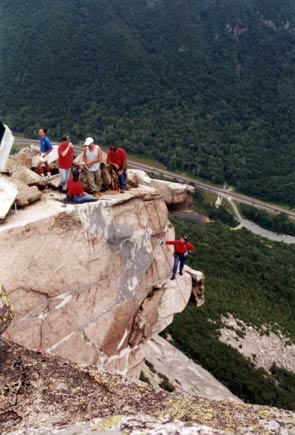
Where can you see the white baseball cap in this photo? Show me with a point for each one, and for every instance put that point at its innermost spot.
(88, 141)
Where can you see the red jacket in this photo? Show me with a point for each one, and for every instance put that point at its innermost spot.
(118, 157)
(180, 247)
(74, 187)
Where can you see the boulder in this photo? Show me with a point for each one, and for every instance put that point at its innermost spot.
(11, 162)
(25, 156)
(8, 194)
(198, 285)
(6, 311)
(28, 177)
(54, 181)
(91, 283)
(26, 194)
(177, 196)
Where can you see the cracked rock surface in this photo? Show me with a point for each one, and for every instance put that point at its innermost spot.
(46, 395)
(90, 282)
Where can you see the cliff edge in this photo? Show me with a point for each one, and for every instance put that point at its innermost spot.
(90, 282)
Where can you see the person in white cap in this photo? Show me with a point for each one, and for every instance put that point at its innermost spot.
(92, 156)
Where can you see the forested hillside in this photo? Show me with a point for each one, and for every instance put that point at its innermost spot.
(203, 86)
(254, 280)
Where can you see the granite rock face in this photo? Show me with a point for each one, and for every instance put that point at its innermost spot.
(163, 360)
(91, 283)
(47, 395)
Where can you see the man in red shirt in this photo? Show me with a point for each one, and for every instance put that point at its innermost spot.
(117, 158)
(65, 160)
(182, 250)
(76, 191)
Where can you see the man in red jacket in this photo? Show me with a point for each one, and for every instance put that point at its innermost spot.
(182, 250)
(117, 158)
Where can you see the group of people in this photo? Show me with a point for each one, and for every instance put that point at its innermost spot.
(92, 157)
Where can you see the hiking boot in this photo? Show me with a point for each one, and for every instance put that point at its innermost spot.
(180, 273)
(97, 194)
(172, 277)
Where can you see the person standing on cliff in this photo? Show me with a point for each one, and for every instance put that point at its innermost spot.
(182, 251)
(117, 158)
(65, 160)
(92, 157)
(45, 149)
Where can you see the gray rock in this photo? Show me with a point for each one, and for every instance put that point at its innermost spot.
(26, 194)
(28, 177)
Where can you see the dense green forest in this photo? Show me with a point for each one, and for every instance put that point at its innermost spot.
(254, 280)
(203, 86)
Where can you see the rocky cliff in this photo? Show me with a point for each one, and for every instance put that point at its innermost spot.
(45, 395)
(90, 282)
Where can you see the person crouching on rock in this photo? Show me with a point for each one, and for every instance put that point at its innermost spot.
(117, 158)
(92, 157)
(65, 160)
(45, 149)
(76, 191)
(182, 251)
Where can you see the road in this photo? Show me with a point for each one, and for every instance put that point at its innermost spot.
(186, 179)
(259, 231)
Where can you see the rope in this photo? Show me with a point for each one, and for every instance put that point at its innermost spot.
(178, 285)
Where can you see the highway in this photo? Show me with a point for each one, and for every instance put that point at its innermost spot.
(186, 179)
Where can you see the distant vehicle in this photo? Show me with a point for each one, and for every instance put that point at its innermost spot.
(6, 142)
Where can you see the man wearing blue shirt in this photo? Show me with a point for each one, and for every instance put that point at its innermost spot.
(45, 149)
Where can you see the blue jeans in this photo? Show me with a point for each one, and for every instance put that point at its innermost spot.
(83, 198)
(179, 258)
(123, 179)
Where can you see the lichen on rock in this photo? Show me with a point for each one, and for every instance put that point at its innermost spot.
(6, 310)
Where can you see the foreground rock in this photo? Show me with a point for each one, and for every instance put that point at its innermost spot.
(139, 424)
(39, 394)
(165, 362)
(90, 282)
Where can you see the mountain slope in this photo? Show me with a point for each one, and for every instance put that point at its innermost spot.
(205, 87)
(250, 279)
